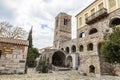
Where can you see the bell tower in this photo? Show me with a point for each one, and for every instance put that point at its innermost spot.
(62, 30)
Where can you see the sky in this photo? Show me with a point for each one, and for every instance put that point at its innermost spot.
(41, 15)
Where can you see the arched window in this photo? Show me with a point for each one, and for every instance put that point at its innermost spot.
(67, 49)
(115, 22)
(62, 49)
(90, 47)
(0, 53)
(73, 48)
(81, 48)
(92, 31)
(91, 69)
(82, 35)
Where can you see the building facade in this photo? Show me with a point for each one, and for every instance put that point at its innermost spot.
(13, 54)
(83, 53)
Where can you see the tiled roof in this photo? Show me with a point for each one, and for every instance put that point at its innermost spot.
(14, 41)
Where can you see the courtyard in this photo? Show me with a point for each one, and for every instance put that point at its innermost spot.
(55, 75)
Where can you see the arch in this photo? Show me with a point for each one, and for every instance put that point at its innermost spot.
(92, 31)
(69, 61)
(67, 49)
(114, 22)
(81, 48)
(62, 49)
(58, 58)
(73, 48)
(91, 69)
(82, 35)
(90, 47)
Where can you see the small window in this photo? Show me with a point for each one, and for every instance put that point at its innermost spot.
(82, 35)
(67, 49)
(57, 23)
(112, 3)
(65, 21)
(91, 69)
(93, 11)
(62, 49)
(90, 47)
(100, 6)
(86, 15)
(81, 48)
(0, 53)
(92, 31)
(115, 22)
(80, 21)
(73, 48)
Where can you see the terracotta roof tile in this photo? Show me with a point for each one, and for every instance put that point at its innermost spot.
(14, 41)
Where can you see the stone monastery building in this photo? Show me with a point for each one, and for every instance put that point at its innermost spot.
(83, 53)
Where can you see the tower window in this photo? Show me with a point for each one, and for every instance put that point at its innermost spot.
(65, 22)
(0, 53)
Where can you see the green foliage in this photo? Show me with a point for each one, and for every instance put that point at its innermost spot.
(42, 66)
(111, 47)
(32, 55)
(32, 52)
(30, 39)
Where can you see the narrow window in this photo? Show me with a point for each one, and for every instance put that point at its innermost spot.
(93, 11)
(65, 22)
(100, 6)
(0, 53)
(80, 21)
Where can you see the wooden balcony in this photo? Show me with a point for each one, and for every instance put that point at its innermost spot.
(97, 16)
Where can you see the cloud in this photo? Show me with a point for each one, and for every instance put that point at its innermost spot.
(41, 15)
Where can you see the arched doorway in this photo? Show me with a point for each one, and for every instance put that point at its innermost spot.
(91, 69)
(69, 61)
(58, 59)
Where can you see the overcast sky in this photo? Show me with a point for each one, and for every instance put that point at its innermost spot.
(41, 15)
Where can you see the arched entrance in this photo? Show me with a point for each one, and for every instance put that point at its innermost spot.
(58, 59)
(69, 61)
(91, 69)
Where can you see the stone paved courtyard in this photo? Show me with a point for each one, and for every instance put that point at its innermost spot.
(56, 75)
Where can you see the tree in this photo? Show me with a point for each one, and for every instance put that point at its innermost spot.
(33, 53)
(111, 47)
(30, 39)
(9, 31)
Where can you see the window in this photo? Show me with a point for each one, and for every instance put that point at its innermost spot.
(62, 49)
(90, 47)
(65, 21)
(57, 23)
(100, 6)
(67, 49)
(73, 48)
(81, 48)
(80, 21)
(114, 22)
(82, 35)
(91, 69)
(0, 53)
(86, 15)
(93, 11)
(92, 31)
(112, 3)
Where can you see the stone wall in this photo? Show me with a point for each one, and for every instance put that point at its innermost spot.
(13, 58)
